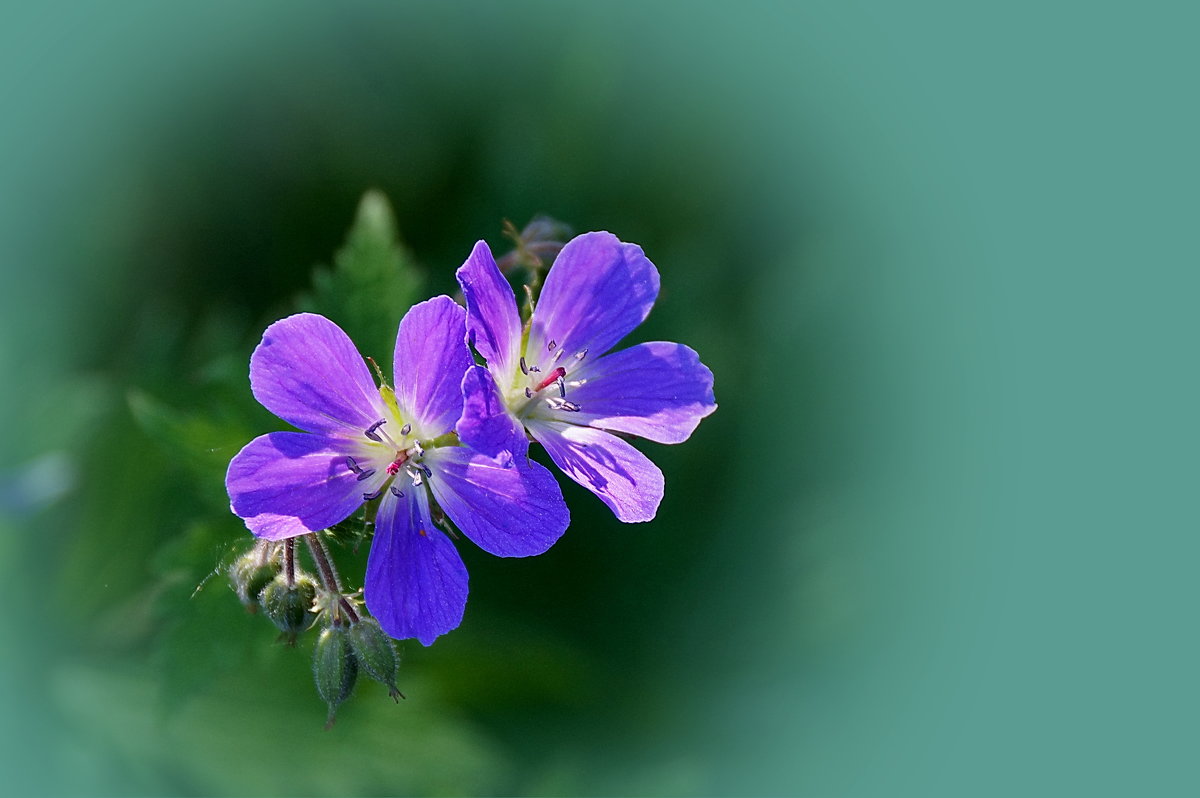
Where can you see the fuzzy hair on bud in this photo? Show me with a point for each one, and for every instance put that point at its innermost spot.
(376, 653)
(290, 607)
(335, 669)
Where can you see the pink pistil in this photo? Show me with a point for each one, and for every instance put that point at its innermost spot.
(550, 380)
(393, 467)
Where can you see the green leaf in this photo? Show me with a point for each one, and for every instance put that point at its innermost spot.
(200, 443)
(372, 283)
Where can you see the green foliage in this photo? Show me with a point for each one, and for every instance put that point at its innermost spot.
(372, 283)
(258, 732)
(182, 598)
(199, 441)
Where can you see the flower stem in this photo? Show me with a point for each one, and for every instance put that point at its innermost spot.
(289, 561)
(329, 575)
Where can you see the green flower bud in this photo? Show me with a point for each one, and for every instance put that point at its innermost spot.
(335, 668)
(376, 653)
(290, 606)
(253, 571)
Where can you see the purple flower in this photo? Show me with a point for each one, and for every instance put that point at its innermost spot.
(553, 377)
(361, 442)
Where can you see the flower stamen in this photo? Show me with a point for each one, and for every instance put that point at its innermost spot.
(556, 403)
(415, 476)
(370, 431)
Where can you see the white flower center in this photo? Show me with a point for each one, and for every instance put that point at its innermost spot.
(537, 386)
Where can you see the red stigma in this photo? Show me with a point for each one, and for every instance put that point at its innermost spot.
(554, 375)
(393, 467)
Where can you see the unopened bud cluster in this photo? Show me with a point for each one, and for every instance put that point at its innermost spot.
(267, 578)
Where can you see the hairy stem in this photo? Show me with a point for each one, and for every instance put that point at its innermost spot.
(289, 561)
(328, 573)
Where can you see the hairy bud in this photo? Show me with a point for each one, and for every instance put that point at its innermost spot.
(335, 668)
(290, 607)
(537, 245)
(253, 571)
(376, 653)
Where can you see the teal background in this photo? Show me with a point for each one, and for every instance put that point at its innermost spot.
(937, 540)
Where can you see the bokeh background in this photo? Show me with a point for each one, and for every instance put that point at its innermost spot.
(933, 542)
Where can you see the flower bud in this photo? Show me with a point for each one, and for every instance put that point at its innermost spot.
(376, 653)
(290, 607)
(545, 229)
(335, 668)
(537, 245)
(253, 571)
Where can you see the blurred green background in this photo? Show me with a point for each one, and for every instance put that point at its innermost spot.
(932, 542)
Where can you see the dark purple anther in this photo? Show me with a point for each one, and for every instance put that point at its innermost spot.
(524, 368)
(407, 428)
(396, 492)
(353, 466)
(370, 431)
(366, 473)
(551, 345)
(373, 495)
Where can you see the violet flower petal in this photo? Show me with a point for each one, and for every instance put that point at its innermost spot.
(431, 357)
(619, 474)
(308, 372)
(285, 484)
(486, 424)
(596, 292)
(510, 512)
(658, 390)
(416, 584)
(493, 324)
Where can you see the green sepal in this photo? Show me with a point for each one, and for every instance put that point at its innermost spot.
(376, 653)
(335, 669)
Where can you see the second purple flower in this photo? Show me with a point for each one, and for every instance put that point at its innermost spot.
(553, 378)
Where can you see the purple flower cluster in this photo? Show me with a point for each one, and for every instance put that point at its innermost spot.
(456, 435)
